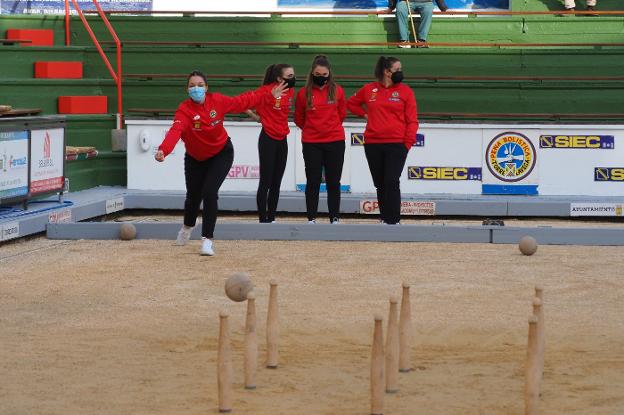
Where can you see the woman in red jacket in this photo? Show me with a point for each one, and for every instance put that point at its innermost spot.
(272, 113)
(389, 107)
(209, 153)
(320, 110)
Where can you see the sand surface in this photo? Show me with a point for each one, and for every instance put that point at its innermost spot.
(109, 327)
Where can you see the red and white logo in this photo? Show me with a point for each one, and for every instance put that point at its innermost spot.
(46, 146)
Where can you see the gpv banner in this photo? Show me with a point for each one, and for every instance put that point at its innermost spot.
(58, 6)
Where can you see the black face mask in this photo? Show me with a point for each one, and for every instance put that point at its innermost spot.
(320, 80)
(290, 82)
(397, 77)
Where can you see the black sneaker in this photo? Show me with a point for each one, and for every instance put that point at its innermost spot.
(423, 44)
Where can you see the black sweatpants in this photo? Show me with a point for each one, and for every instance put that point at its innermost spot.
(319, 156)
(386, 162)
(273, 155)
(203, 180)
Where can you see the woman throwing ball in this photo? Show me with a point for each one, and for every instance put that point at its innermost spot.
(389, 107)
(209, 154)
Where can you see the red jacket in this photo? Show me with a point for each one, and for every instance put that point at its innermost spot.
(322, 122)
(274, 112)
(392, 113)
(200, 126)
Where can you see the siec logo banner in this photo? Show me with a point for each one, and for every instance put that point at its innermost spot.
(609, 174)
(598, 142)
(510, 157)
(443, 173)
(357, 139)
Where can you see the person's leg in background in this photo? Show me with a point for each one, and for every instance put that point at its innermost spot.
(313, 160)
(425, 9)
(375, 158)
(281, 157)
(333, 162)
(395, 157)
(402, 16)
(266, 155)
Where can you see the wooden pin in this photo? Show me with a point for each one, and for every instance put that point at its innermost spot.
(532, 380)
(541, 327)
(392, 348)
(405, 331)
(251, 343)
(377, 369)
(272, 328)
(224, 359)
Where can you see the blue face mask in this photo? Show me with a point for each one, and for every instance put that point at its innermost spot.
(197, 93)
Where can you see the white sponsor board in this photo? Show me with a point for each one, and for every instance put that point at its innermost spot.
(47, 154)
(408, 207)
(145, 173)
(60, 216)
(9, 231)
(596, 209)
(114, 205)
(13, 164)
(527, 159)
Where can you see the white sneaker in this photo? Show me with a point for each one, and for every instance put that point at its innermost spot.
(312, 222)
(206, 248)
(183, 236)
(334, 221)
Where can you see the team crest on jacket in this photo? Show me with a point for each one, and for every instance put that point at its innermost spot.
(213, 113)
(373, 96)
(395, 94)
(278, 103)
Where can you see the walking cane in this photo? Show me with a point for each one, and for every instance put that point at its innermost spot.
(409, 11)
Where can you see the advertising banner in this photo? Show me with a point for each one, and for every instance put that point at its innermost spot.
(9, 231)
(408, 207)
(382, 4)
(58, 6)
(47, 152)
(13, 164)
(448, 158)
(596, 209)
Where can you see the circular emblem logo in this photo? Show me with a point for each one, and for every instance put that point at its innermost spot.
(213, 113)
(375, 89)
(510, 157)
(395, 94)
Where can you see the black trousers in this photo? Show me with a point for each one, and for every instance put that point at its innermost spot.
(273, 155)
(319, 156)
(386, 162)
(203, 180)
